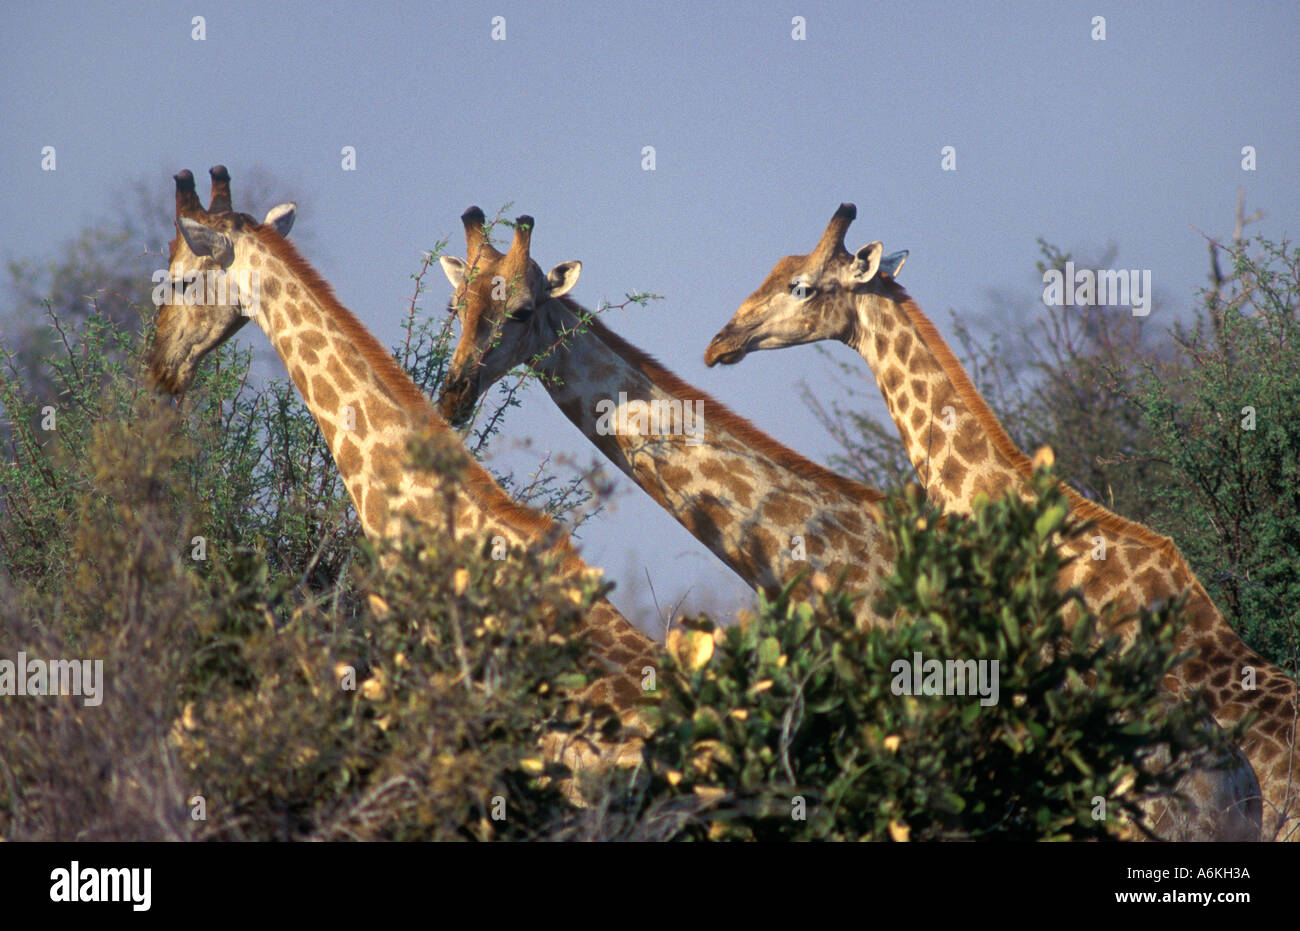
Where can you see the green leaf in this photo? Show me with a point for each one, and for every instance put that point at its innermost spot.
(1049, 521)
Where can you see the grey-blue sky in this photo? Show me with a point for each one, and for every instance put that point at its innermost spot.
(758, 138)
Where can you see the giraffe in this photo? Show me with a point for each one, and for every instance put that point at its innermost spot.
(511, 314)
(960, 453)
(367, 408)
(768, 513)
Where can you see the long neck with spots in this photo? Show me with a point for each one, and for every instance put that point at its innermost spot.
(952, 438)
(764, 510)
(959, 451)
(369, 410)
(365, 406)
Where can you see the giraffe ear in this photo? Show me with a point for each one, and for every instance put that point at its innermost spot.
(562, 278)
(204, 241)
(866, 261)
(891, 264)
(281, 218)
(454, 269)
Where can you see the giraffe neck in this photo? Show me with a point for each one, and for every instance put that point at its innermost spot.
(762, 509)
(952, 438)
(959, 450)
(369, 410)
(365, 405)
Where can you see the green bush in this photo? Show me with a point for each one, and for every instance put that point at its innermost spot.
(422, 723)
(241, 704)
(1224, 416)
(789, 726)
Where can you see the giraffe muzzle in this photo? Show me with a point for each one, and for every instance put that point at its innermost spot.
(456, 402)
(726, 348)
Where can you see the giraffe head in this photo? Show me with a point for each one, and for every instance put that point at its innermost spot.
(501, 302)
(810, 297)
(202, 305)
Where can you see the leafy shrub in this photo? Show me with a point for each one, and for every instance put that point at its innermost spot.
(421, 723)
(1224, 416)
(788, 726)
(241, 704)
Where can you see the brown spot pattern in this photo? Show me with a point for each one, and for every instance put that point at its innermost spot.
(349, 457)
(323, 395)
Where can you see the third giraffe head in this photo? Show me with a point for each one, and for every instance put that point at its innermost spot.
(810, 297)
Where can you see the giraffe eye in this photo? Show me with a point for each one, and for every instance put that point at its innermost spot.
(801, 289)
(522, 314)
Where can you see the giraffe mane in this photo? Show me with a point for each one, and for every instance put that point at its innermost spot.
(421, 410)
(971, 397)
(753, 437)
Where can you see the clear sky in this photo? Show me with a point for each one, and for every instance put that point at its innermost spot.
(1134, 140)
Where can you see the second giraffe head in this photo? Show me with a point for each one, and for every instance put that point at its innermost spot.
(500, 300)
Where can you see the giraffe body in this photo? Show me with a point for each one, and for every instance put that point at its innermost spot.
(961, 453)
